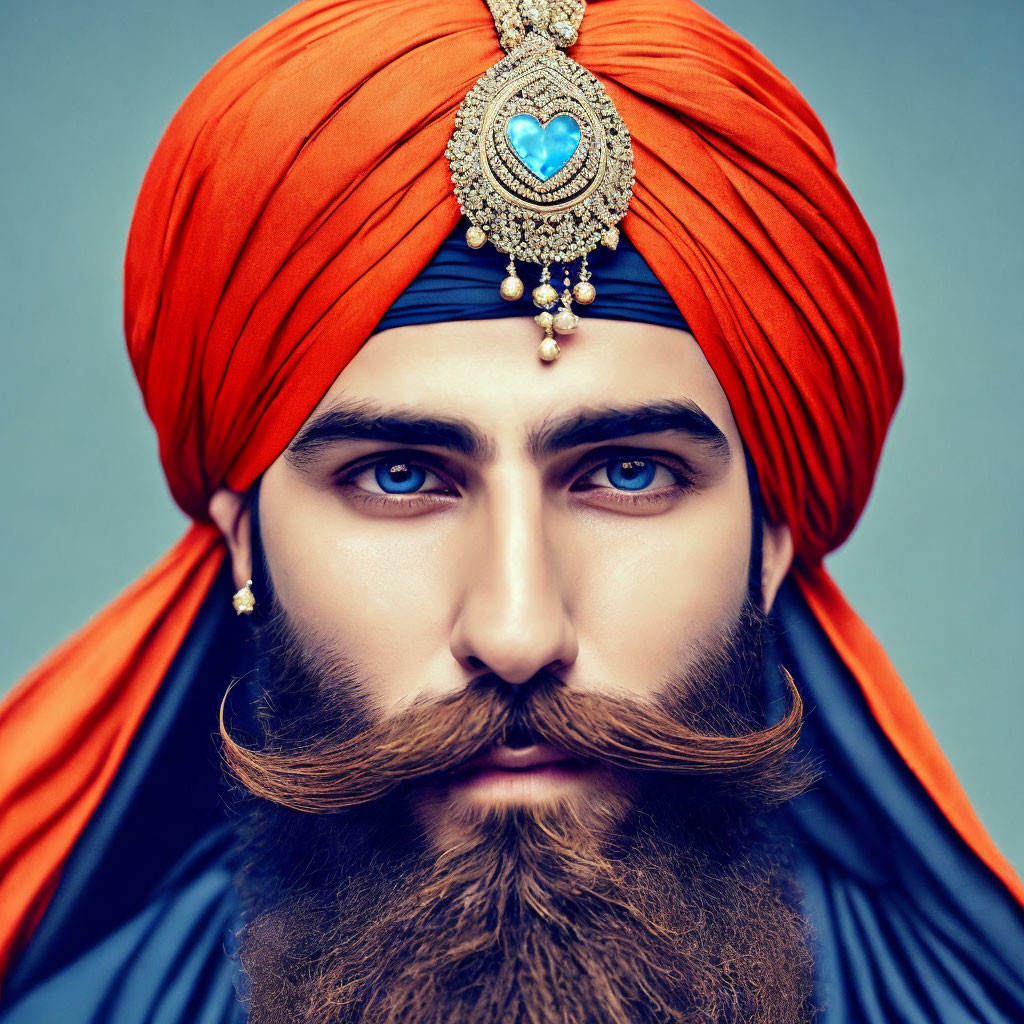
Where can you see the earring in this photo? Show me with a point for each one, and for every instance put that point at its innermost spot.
(243, 601)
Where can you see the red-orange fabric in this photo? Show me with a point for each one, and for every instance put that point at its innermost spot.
(301, 187)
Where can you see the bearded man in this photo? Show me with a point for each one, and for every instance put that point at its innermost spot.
(539, 705)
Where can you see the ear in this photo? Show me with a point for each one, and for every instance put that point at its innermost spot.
(776, 558)
(229, 511)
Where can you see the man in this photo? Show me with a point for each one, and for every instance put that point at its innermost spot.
(513, 734)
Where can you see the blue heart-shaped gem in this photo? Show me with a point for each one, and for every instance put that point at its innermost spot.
(545, 151)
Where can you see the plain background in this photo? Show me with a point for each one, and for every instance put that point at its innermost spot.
(923, 100)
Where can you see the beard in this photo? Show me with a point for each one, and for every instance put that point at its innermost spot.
(664, 895)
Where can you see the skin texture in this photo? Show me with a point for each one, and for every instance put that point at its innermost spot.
(512, 564)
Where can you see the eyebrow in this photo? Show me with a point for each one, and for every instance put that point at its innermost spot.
(364, 421)
(588, 426)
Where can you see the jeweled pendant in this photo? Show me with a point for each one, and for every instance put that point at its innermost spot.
(541, 161)
(243, 600)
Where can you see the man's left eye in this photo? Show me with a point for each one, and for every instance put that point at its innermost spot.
(631, 474)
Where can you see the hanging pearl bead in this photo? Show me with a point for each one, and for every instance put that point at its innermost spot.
(585, 293)
(512, 288)
(544, 296)
(565, 321)
(548, 350)
(610, 237)
(475, 237)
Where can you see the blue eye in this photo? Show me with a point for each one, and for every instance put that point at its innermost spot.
(399, 477)
(631, 474)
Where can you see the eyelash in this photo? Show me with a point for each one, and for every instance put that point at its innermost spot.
(600, 459)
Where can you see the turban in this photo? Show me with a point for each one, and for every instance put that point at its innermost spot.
(301, 188)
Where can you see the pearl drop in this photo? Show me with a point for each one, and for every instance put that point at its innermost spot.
(548, 350)
(544, 295)
(565, 322)
(475, 237)
(585, 293)
(512, 288)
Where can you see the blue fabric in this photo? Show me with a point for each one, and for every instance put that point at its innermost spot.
(909, 926)
(140, 922)
(461, 283)
(167, 964)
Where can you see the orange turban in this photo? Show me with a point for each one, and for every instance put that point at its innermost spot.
(297, 192)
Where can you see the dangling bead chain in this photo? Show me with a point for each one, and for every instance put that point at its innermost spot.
(512, 286)
(584, 291)
(544, 296)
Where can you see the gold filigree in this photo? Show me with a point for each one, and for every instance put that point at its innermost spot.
(523, 213)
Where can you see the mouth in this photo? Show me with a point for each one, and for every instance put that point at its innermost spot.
(506, 774)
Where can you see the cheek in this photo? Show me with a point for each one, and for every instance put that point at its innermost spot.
(372, 590)
(659, 586)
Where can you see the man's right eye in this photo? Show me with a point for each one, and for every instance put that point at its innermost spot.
(395, 478)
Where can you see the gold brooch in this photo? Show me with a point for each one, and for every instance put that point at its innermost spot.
(541, 160)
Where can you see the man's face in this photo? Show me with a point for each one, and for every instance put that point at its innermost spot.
(590, 518)
(513, 662)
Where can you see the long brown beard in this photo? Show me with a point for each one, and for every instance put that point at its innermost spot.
(666, 900)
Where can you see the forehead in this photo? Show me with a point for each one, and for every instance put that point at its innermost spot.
(488, 371)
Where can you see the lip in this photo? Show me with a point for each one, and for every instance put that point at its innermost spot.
(520, 775)
(518, 759)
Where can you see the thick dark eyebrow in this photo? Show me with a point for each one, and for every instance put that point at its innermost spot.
(367, 422)
(589, 426)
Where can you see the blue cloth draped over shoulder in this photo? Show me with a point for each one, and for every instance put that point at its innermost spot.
(908, 925)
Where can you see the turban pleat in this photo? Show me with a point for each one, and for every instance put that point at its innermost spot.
(302, 186)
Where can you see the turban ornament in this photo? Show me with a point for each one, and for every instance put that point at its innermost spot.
(541, 160)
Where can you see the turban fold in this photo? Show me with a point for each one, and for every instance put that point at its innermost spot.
(301, 188)
(458, 284)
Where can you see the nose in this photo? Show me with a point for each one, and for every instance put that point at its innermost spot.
(513, 618)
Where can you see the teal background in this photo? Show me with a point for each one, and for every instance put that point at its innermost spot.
(923, 100)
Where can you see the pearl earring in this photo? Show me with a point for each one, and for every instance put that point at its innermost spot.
(243, 601)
